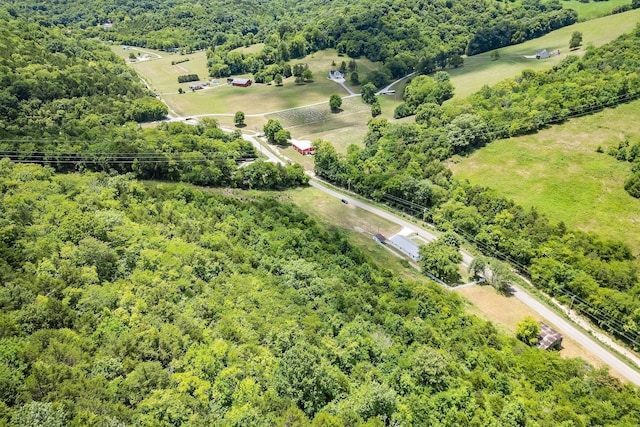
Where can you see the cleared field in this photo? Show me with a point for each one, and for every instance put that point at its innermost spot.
(254, 48)
(506, 312)
(359, 224)
(479, 70)
(160, 75)
(255, 99)
(560, 173)
(593, 9)
(342, 129)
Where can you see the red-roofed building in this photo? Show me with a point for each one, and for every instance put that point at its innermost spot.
(239, 82)
(303, 147)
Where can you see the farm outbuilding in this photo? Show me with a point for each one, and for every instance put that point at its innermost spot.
(406, 246)
(549, 338)
(542, 54)
(379, 238)
(303, 147)
(239, 82)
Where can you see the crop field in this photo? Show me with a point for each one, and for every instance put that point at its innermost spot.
(480, 70)
(560, 173)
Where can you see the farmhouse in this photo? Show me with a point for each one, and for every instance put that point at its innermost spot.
(302, 147)
(542, 54)
(240, 82)
(406, 246)
(549, 338)
(336, 75)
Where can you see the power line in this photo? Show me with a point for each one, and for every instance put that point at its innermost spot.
(124, 158)
(596, 314)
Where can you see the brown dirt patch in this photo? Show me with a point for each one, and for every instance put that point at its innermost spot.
(506, 312)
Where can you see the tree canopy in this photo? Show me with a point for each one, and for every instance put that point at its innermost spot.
(131, 303)
(402, 165)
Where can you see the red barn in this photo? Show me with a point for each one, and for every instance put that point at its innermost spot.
(302, 147)
(239, 82)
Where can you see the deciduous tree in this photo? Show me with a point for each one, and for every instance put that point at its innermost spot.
(528, 330)
(239, 119)
(335, 102)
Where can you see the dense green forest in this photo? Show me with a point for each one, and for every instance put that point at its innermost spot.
(405, 35)
(54, 83)
(402, 165)
(161, 304)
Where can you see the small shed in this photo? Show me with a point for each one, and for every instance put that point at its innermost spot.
(406, 246)
(303, 147)
(379, 238)
(542, 54)
(549, 338)
(239, 82)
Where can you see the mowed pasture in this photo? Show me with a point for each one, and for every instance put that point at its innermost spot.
(220, 98)
(342, 129)
(159, 73)
(593, 9)
(559, 172)
(480, 70)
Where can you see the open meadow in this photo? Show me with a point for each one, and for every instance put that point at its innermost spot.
(559, 172)
(593, 9)
(480, 70)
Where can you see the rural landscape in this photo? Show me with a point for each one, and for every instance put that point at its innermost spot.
(349, 213)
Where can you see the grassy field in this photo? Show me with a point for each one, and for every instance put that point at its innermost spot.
(479, 70)
(506, 312)
(484, 301)
(254, 48)
(349, 126)
(593, 9)
(359, 224)
(560, 173)
(158, 72)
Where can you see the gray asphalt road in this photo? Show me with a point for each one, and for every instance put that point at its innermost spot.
(583, 339)
(566, 327)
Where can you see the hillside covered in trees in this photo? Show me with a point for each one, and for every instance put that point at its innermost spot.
(73, 104)
(129, 303)
(405, 35)
(54, 83)
(402, 164)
